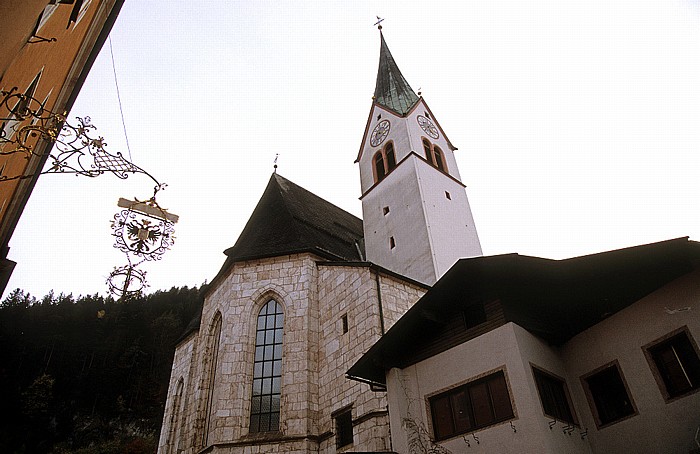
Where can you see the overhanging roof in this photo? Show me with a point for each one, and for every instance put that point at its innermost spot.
(553, 299)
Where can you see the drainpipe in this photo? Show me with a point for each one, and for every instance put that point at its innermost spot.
(379, 302)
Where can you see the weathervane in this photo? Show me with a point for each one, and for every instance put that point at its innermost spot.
(377, 24)
(277, 155)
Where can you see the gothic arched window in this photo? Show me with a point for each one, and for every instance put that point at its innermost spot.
(379, 169)
(211, 359)
(439, 161)
(267, 369)
(428, 153)
(390, 157)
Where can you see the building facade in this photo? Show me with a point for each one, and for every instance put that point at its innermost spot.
(308, 288)
(597, 354)
(46, 50)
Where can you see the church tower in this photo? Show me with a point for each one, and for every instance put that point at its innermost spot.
(417, 219)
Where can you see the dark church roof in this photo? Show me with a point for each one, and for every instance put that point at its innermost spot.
(392, 90)
(553, 299)
(290, 220)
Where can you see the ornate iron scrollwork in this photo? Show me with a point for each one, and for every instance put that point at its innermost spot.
(76, 148)
(143, 230)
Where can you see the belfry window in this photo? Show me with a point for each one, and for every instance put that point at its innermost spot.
(267, 372)
(384, 162)
(390, 157)
(380, 171)
(428, 153)
(438, 160)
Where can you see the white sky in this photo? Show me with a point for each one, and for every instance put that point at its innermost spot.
(577, 123)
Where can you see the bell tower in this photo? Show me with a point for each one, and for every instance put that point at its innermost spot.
(417, 219)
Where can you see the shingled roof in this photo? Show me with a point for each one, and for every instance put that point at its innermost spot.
(290, 220)
(553, 299)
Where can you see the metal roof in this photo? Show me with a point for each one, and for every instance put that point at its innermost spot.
(392, 90)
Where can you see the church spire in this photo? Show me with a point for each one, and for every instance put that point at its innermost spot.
(392, 90)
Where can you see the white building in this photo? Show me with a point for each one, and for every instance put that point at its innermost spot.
(514, 354)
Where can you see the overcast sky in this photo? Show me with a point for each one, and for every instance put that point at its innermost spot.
(577, 123)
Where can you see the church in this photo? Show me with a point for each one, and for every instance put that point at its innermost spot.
(307, 288)
(324, 333)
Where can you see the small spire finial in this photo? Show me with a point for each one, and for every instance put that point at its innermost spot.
(277, 155)
(379, 21)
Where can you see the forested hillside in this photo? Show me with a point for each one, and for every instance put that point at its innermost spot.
(88, 374)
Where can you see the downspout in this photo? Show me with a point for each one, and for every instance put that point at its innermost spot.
(379, 302)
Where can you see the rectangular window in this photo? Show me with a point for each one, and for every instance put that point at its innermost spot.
(343, 428)
(344, 320)
(472, 406)
(675, 363)
(608, 395)
(554, 396)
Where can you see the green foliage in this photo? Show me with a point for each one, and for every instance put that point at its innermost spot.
(88, 374)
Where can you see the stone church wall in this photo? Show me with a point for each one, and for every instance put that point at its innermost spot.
(350, 293)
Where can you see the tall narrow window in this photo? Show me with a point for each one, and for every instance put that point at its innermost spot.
(676, 364)
(554, 396)
(267, 371)
(390, 157)
(439, 161)
(173, 435)
(379, 166)
(211, 360)
(428, 153)
(343, 428)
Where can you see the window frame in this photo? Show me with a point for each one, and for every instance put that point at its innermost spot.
(261, 372)
(452, 393)
(592, 399)
(434, 155)
(543, 374)
(649, 354)
(344, 431)
(386, 157)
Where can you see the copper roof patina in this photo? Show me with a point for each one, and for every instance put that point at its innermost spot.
(392, 90)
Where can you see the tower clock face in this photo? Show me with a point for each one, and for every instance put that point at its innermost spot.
(428, 127)
(380, 132)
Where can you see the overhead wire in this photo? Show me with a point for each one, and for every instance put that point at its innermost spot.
(119, 98)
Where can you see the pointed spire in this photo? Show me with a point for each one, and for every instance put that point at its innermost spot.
(392, 90)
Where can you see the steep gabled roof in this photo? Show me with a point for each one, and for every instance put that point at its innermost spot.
(392, 90)
(553, 299)
(290, 220)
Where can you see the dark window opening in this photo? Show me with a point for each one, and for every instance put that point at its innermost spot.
(428, 153)
(267, 369)
(427, 115)
(677, 364)
(386, 210)
(390, 157)
(447, 194)
(608, 393)
(344, 320)
(477, 404)
(343, 428)
(392, 242)
(379, 166)
(554, 396)
(439, 163)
